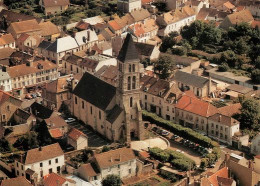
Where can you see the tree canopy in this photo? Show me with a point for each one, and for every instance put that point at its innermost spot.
(112, 180)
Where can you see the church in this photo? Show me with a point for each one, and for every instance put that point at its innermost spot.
(114, 112)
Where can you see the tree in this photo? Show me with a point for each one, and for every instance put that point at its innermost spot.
(229, 57)
(4, 145)
(204, 163)
(250, 114)
(255, 76)
(167, 42)
(163, 66)
(112, 180)
(223, 67)
(160, 5)
(27, 142)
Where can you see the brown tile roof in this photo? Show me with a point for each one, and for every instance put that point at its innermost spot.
(144, 154)
(55, 122)
(4, 96)
(25, 26)
(50, 3)
(240, 8)
(147, 1)
(196, 106)
(110, 73)
(23, 37)
(89, 170)
(223, 173)
(230, 110)
(6, 39)
(140, 14)
(48, 28)
(54, 179)
(239, 88)
(15, 17)
(82, 25)
(21, 70)
(148, 26)
(46, 152)
(75, 134)
(57, 86)
(19, 181)
(239, 17)
(114, 157)
(229, 5)
(6, 52)
(226, 120)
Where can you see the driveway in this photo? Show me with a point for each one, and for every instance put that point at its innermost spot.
(94, 139)
(143, 145)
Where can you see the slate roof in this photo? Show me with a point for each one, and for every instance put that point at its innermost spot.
(40, 111)
(46, 152)
(114, 157)
(128, 52)
(114, 113)
(44, 44)
(190, 79)
(95, 91)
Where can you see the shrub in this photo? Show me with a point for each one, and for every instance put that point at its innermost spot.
(204, 163)
(168, 176)
(187, 133)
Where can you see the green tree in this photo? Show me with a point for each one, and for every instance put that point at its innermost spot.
(164, 66)
(204, 163)
(167, 42)
(255, 76)
(4, 145)
(223, 67)
(229, 57)
(112, 180)
(250, 114)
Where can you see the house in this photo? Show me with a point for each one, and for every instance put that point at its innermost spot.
(159, 96)
(32, 74)
(144, 31)
(54, 179)
(23, 117)
(41, 161)
(236, 18)
(74, 64)
(40, 112)
(5, 80)
(28, 43)
(117, 114)
(242, 169)
(8, 106)
(7, 40)
(103, 48)
(194, 113)
(175, 20)
(18, 181)
(222, 128)
(230, 110)
(126, 6)
(30, 27)
(255, 145)
(5, 54)
(200, 86)
(140, 15)
(147, 51)
(49, 30)
(120, 162)
(174, 4)
(108, 74)
(7, 17)
(56, 126)
(227, 7)
(239, 90)
(57, 92)
(82, 182)
(211, 14)
(54, 7)
(77, 139)
(221, 177)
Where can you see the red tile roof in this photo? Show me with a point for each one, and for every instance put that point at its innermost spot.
(255, 24)
(75, 134)
(196, 106)
(147, 1)
(230, 110)
(55, 133)
(114, 25)
(54, 179)
(144, 154)
(223, 173)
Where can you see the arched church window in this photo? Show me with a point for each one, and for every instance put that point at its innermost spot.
(131, 101)
(134, 82)
(129, 83)
(130, 68)
(133, 67)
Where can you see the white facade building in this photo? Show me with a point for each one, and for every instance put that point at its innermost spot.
(5, 80)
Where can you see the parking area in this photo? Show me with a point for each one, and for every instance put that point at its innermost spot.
(94, 139)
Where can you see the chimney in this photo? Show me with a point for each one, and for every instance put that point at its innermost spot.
(219, 119)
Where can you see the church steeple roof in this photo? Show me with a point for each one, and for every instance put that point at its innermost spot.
(128, 51)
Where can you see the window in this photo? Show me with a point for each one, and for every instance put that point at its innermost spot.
(129, 68)
(216, 126)
(17, 173)
(118, 166)
(41, 173)
(172, 110)
(134, 82)
(22, 167)
(133, 68)
(56, 160)
(145, 97)
(91, 110)
(17, 165)
(167, 108)
(129, 171)
(131, 101)
(99, 114)
(40, 164)
(49, 162)
(50, 170)
(82, 104)
(129, 83)
(58, 169)
(76, 100)
(152, 99)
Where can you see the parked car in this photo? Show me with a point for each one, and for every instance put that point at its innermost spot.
(34, 95)
(28, 96)
(211, 165)
(165, 133)
(70, 120)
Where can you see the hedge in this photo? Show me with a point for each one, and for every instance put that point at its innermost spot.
(187, 133)
(177, 159)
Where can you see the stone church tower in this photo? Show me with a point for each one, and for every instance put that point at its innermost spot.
(128, 90)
